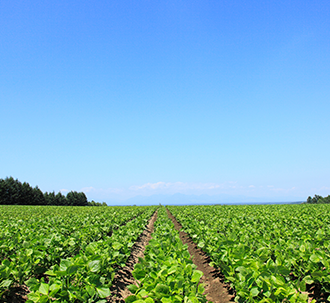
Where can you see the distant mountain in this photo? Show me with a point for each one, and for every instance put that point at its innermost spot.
(182, 199)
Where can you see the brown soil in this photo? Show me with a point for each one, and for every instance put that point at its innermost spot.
(17, 294)
(124, 276)
(215, 290)
(315, 292)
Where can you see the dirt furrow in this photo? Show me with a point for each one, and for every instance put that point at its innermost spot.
(124, 276)
(215, 290)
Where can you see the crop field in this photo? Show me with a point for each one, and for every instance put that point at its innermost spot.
(263, 253)
(268, 253)
(66, 253)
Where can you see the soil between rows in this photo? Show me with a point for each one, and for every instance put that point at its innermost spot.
(124, 276)
(215, 290)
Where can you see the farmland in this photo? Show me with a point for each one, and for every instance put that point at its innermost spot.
(265, 253)
(67, 253)
(268, 253)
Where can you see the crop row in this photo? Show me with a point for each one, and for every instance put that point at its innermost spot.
(268, 253)
(70, 255)
(64, 229)
(166, 273)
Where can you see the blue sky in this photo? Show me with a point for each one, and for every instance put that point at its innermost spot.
(126, 98)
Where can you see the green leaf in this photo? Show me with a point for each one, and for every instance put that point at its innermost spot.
(103, 292)
(302, 285)
(278, 280)
(142, 293)
(90, 290)
(254, 291)
(50, 273)
(314, 258)
(33, 284)
(91, 248)
(64, 264)
(43, 299)
(5, 283)
(201, 289)
(197, 274)
(33, 296)
(189, 269)
(72, 269)
(132, 288)
(54, 289)
(201, 244)
(163, 289)
(94, 266)
(130, 299)
(6, 262)
(193, 299)
(139, 274)
(60, 273)
(43, 288)
(279, 290)
(56, 285)
(172, 270)
(242, 270)
(308, 280)
(116, 245)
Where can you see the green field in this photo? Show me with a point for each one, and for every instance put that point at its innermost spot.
(67, 253)
(267, 253)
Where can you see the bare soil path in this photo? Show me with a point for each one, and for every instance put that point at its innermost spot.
(215, 290)
(124, 276)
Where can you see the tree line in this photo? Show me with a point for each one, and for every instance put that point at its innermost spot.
(14, 192)
(318, 199)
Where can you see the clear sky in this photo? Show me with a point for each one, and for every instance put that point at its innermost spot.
(124, 98)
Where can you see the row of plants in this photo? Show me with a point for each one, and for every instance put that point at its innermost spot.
(268, 253)
(67, 254)
(166, 273)
(59, 231)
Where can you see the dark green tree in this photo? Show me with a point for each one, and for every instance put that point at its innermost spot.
(60, 199)
(38, 197)
(50, 198)
(76, 199)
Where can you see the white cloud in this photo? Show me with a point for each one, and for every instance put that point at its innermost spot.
(64, 190)
(151, 186)
(105, 194)
(176, 186)
(87, 189)
(284, 190)
(325, 188)
(91, 189)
